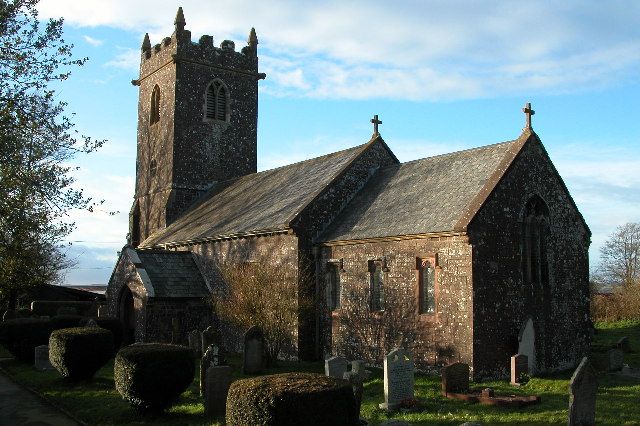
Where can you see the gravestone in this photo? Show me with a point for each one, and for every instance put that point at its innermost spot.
(91, 323)
(527, 344)
(208, 337)
(67, 310)
(455, 378)
(398, 378)
(623, 344)
(358, 367)
(42, 358)
(616, 359)
(211, 358)
(194, 342)
(356, 378)
(103, 311)
(218, 380)
(335, 367)
(253, 354)
(519, 367)
(582, 395)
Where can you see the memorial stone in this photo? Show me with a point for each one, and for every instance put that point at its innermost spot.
(623, 344)
(519, 368)
(335, 367)
(42, 358)
(253, 354)
(218, 381)
(398, 379)
(455, 378)
(616, 359)
(356, 378)
(209, 337)
(582, 395)
(210, 358)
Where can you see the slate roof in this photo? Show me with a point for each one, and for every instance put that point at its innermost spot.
(173, 273)
(258, 202)
(429, 195)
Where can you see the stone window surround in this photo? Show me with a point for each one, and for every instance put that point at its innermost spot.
(433, 257)
(154, 110)
(372, 266)
(227, 95)
(535, 216)
(336, 265)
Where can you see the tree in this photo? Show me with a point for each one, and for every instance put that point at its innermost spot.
(37, 141)
(620, 257)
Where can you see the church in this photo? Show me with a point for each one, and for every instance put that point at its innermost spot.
(471, 256)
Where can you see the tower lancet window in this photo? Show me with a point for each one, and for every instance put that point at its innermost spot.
(217, 101)
(154, 116)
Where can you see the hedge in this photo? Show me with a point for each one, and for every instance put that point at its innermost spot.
(20, 336)
(151, 376)
(77, 353)
(114, 325)
(291, 399)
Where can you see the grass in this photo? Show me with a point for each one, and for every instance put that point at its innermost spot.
(98, 403)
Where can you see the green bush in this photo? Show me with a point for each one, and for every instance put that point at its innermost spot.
(291, 399)
(151, 376)
(114, 325)
(65, 321)
(20, 336)
(77, 353)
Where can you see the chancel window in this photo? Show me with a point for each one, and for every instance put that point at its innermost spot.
(426, 285)
(154, 115)
(377, 276)
(535, 232)
(216, 101)
(334, 288)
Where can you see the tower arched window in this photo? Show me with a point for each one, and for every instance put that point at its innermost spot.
(535, 233)
(216, 101)
(154, 115)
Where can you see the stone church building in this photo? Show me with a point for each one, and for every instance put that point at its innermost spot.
(470, 256)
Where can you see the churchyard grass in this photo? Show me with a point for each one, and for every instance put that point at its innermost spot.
(97, 402)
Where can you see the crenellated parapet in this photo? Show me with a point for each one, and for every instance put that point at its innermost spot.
(179, 47)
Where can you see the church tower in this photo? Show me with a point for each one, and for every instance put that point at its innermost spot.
(197, 123)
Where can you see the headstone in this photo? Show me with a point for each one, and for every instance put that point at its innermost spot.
(209, 337)
(103, 311)
(67, 310)
(455, 378)
(253, 354)
(616, 359)
(218, 380)
(582, 395)
(356, 378)
(519, 367)
(335, 367)
(42, 358)
(358, 367)
(623, 344)
(488, 393)
(211, 358)
(194, 343)
(93, 310)
(527, 344)
(91, 323)
(398, 378)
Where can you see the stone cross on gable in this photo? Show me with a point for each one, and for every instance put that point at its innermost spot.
(375, 122)
(528, 112)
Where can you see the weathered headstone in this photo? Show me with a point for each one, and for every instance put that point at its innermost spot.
(398, 378)
(67, 310)
(91, 323)
(616, 359)
(253, 354)
(194, 342)
(356, 378)
(623, 344)
(335, 367)
(42, 358)
(209, 336)
(582, 395)
(455, 378)
(218, 380)
(358, 367)
(519, 368)
(103, 311)
(210, 358)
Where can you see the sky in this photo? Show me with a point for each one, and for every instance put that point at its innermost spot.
(442, 76)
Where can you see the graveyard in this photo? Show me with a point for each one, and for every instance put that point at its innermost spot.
(98, 403)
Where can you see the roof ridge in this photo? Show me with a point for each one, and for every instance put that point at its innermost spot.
(447, 154)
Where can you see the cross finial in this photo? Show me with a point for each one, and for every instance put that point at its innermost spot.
(528, 112)
(375, 122)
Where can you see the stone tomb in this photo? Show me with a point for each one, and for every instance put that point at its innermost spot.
(398, 379)
(253, 353)
(217, 383)
(519, 368)
(335, 367)
(455, 379)
(194, 342)
(582, 395)
(615, 359)
(42, 358)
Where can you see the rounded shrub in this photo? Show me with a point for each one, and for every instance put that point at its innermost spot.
(114, 325)
(65, 321)
(151, 376)
(291, 399)
(20, 336)
(77, 353)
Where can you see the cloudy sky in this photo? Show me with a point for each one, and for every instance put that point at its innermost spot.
(442, 76)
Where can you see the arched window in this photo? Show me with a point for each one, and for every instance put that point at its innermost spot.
(216, 101)
(377, 275)
(154, 115)
(426, 285)
(535, 231)
(334, 289)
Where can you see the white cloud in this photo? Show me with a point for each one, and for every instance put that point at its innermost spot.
(93, 41)
(128, 59)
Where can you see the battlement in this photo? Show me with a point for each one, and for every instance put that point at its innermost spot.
(180, 47)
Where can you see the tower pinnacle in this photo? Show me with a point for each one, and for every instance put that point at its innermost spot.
(253, 38)
(179, 21)
(146, 43)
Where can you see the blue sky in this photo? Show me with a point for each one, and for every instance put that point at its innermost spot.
(442, 76)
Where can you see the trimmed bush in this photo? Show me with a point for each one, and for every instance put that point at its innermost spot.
(77, 353)
(110, 323)
(20, 336)
(65, 321)
(151, 376)
(291, 399)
